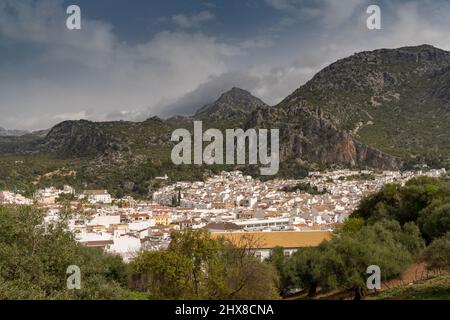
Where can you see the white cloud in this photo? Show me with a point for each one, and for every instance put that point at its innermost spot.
(194, 20)
(52, 74)
(330, 13)
(259, 43)
(72, 71)
(404, 24)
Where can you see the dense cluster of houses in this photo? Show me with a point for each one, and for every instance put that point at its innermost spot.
(8, 197)
(49, 196)
(228, 205)
(258, 205)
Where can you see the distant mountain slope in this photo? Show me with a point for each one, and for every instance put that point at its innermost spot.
(396, 100)
(312, 136)
(8, 133)
(234, 104)
(375, 109)
(87, 138)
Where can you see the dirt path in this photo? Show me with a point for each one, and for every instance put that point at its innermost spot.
(414, 273)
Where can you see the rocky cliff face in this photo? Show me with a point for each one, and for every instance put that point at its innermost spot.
(311, 135)
(373, 108)
(395, 100)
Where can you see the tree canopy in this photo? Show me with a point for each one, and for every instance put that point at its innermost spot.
(195, 266)
(423, 200)
(342, 262)
(34, 257)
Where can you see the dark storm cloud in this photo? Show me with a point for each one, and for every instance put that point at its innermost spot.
(165, 59)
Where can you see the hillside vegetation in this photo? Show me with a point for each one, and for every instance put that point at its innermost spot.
(391, 229)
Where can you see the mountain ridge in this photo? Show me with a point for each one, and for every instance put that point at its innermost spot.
(12, 132)
(346, 115)
(395, 100)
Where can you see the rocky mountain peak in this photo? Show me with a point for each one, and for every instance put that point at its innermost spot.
(236, 95)
(395, 100)
(75, 137)
(231, 105)
(154, 119)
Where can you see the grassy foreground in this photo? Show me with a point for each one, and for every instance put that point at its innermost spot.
(437, 288)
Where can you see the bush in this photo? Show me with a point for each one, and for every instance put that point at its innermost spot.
(437, 255)
(195, 266)
(34, 257)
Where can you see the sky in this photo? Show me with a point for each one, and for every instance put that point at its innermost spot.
(133, 59)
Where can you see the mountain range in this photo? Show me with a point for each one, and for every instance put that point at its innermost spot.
(382, 109)
(8, 133)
